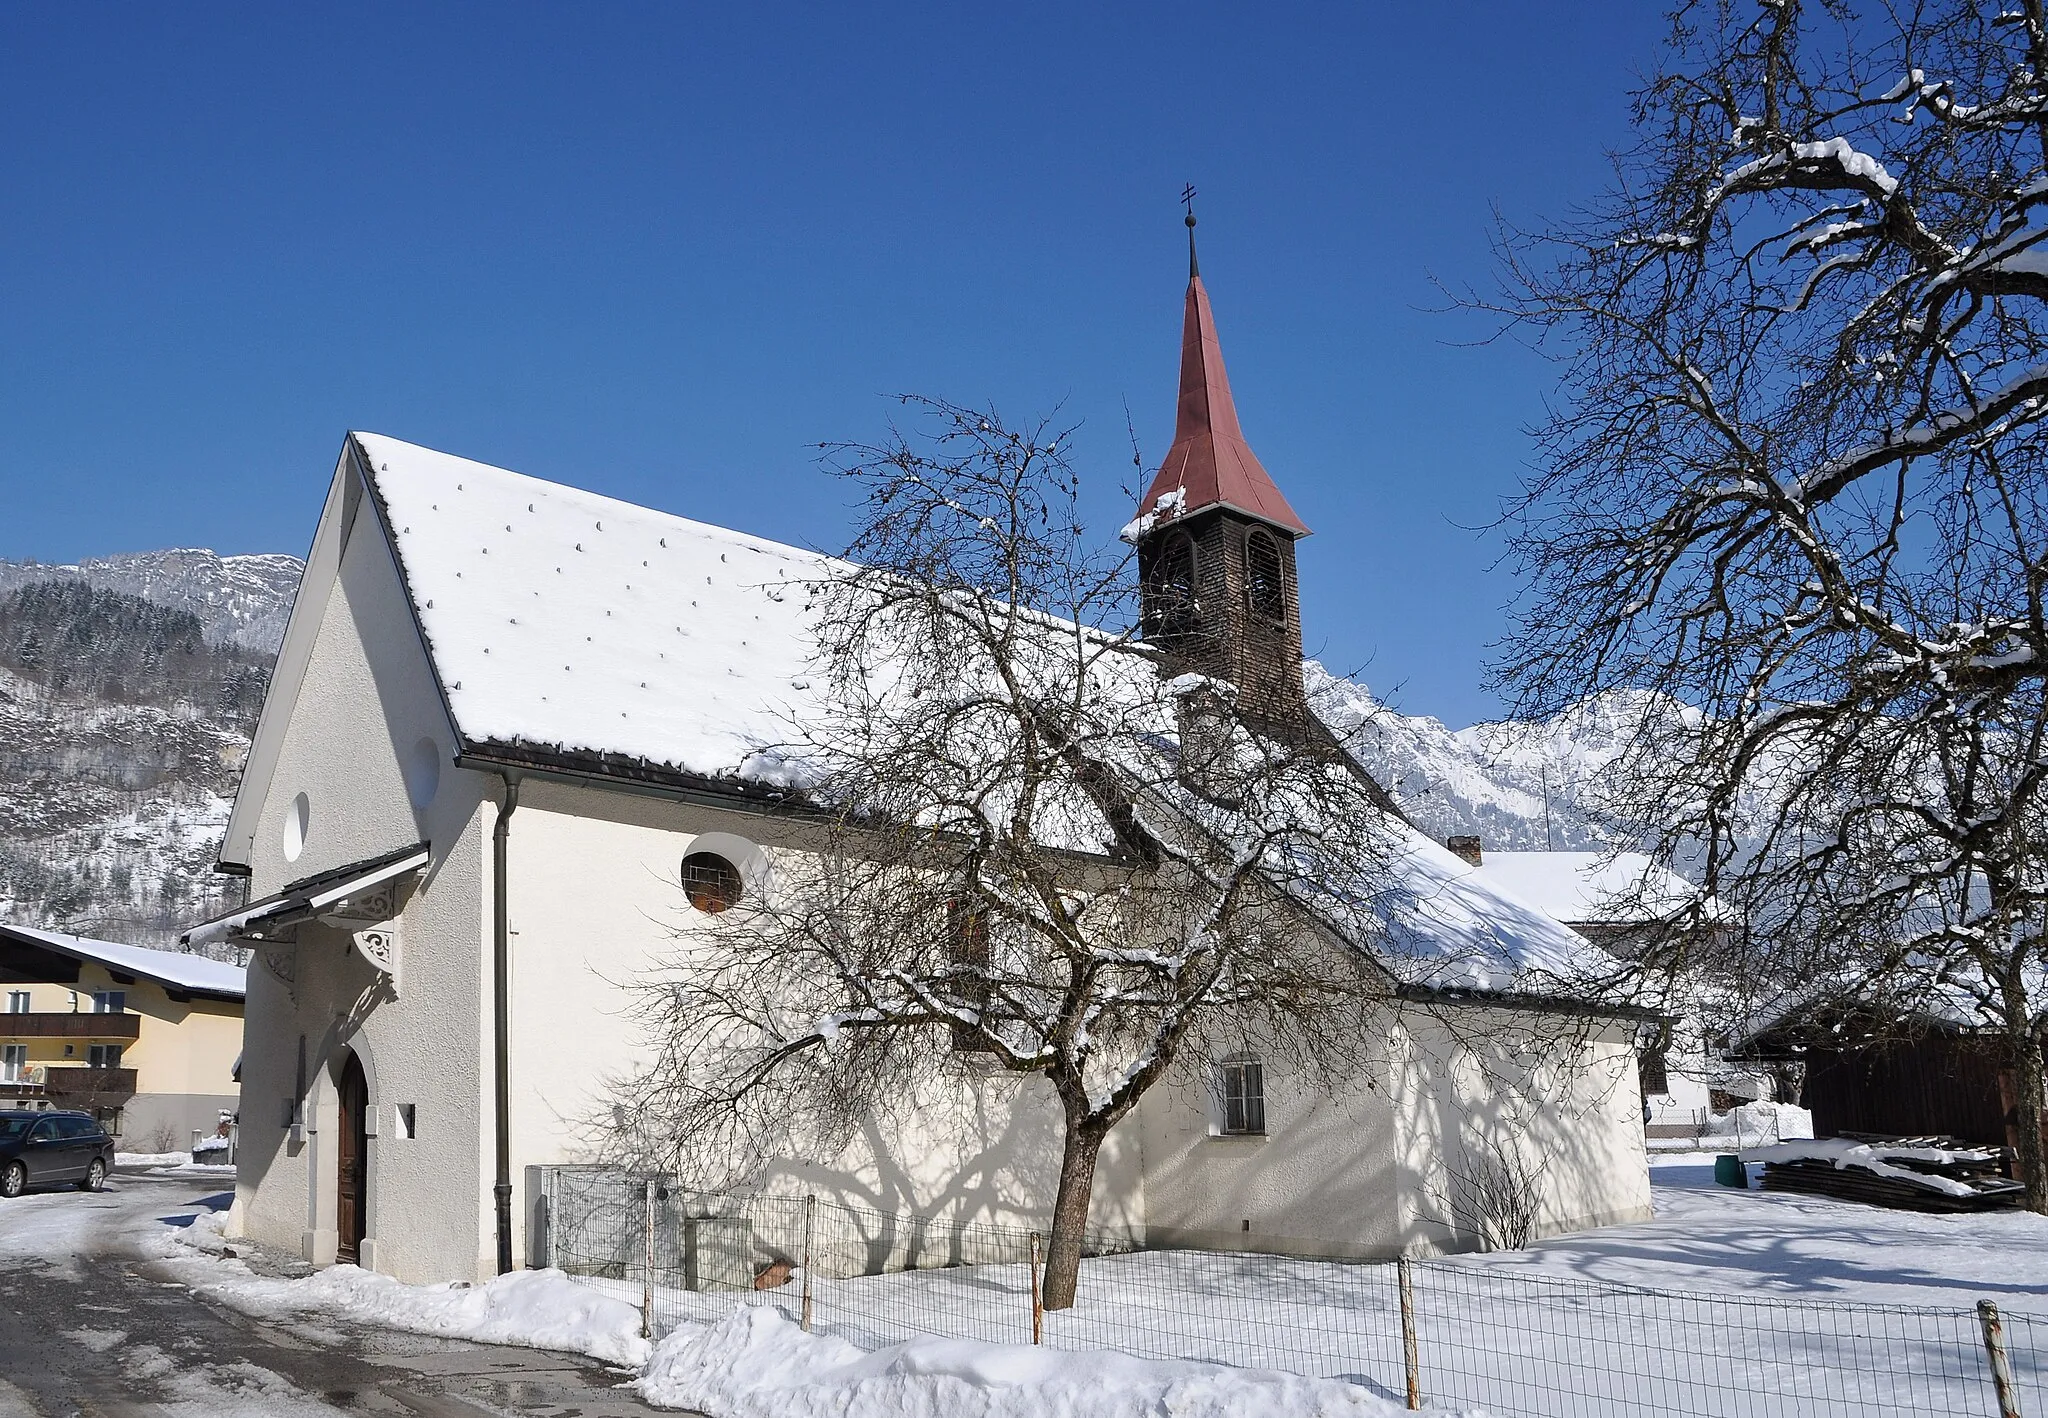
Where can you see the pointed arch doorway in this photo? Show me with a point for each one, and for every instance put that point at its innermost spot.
(352, 1162)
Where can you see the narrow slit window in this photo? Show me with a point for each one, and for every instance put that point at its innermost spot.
(969, 944)
(1656, 1079)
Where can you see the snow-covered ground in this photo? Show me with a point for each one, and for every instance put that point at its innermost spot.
(540, 1309)
(179, 1164)
(1729, 1302)
(756, 1364)
(1786, 1246)
(753, 1363)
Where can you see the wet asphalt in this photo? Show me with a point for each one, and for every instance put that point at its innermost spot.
(97, 1328)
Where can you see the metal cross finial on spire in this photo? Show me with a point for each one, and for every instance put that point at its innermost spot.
(1187, 199)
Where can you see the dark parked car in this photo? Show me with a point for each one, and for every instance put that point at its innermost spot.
(36, 1148)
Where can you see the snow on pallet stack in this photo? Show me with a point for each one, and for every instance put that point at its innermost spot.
(1910, 1173)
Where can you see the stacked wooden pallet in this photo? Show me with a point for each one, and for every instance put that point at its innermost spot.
(1912, 1173)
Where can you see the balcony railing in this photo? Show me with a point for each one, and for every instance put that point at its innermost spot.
(88, 1087)
(70, 1026)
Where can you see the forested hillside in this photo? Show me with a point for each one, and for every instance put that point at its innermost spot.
(123, 725)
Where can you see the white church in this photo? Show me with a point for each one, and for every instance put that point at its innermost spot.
(507, 712)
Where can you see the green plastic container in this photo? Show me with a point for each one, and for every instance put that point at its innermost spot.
(1729, 1171)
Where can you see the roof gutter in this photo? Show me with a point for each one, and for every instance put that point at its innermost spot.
(501, 1021)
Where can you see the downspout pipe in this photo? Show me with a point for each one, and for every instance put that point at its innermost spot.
(501, 1021)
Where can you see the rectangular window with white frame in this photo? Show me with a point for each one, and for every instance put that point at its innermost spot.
(17, 1002)
(103, 1056)
(1241, 1096)
(109, 1001)
(13, 1063)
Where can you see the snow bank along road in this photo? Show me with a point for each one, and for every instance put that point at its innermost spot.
(92, 1323)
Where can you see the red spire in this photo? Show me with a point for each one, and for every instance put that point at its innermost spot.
(1210, 462)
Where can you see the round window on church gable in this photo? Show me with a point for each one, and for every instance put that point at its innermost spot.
(1265, 575)
(711, 882)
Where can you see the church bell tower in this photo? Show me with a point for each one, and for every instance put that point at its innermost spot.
(1216, 539)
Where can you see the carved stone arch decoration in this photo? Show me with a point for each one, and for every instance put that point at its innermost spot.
(344, 1036)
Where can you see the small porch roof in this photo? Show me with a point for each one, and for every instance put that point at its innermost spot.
(302, 900)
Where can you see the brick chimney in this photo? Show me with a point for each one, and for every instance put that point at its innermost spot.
(1466, 847)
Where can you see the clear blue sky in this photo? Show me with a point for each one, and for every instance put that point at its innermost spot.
(661, 250)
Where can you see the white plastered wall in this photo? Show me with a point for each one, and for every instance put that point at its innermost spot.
(597, 903)
(366, 704)
(1366, 1168)
(1320, 1181)
(1551, 1097)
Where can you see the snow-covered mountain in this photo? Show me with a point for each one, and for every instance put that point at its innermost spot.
(1517, 787)
(239, 600)
(128, 689)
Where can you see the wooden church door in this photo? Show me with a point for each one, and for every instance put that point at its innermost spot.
(352, 1163)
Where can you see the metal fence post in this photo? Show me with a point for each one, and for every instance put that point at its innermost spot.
(2001, 1366)
(1411, 1358)
(810, 1220)
(1037, 1302)
(647, 1274)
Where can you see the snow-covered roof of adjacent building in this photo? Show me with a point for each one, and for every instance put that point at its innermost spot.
(578, 627)
(1586, 888)
(173, 969)
(1465, 930)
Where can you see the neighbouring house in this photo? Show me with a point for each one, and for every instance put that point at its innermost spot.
(1691, 1088)
(509, 751)
(146, 1040)
(1862, 1072)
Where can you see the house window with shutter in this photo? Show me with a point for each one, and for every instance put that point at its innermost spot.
(1241, 1089)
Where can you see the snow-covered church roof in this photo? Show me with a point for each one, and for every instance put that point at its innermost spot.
(573, 624)
(562, 619)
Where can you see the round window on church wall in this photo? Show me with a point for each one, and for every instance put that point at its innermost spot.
(711, 882)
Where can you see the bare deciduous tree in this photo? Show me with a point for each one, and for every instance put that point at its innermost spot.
(1796, 491)
(1038, 849)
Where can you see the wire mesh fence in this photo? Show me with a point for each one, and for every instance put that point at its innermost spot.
(1505, 1338)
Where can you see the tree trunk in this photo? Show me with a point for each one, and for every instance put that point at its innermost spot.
(1070, 1212)
(2025, 1062)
